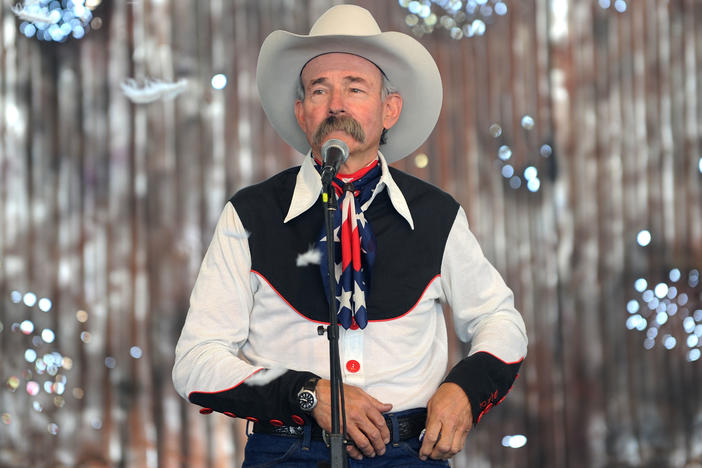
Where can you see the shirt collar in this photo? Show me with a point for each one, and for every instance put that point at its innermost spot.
(308, 186)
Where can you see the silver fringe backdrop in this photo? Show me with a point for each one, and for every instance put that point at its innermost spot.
(570, 132)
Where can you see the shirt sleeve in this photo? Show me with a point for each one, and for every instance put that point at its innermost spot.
(207, 369)
(485, 317)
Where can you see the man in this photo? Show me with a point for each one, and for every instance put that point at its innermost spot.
(250, 347)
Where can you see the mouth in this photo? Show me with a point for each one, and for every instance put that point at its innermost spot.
(345, 124)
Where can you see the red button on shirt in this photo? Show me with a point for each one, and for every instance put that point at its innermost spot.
(205, 410)
(230, 414)
(353, 365)
(276, 422)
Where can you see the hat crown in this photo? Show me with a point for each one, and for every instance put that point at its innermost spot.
(345, 20)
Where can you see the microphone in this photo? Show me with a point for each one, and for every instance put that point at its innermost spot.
(334, 154)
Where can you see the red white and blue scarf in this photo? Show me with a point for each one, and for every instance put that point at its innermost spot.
(355, 246)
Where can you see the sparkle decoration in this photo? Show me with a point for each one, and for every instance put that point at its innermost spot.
(529, 175)
(152, 90)
(54, 20)
(668, 311)
(461, 19)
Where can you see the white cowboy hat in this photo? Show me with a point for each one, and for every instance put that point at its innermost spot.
(351, 29)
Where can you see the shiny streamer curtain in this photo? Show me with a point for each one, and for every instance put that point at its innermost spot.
(107, 207)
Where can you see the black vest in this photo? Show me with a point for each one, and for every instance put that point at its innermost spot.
(406, 260)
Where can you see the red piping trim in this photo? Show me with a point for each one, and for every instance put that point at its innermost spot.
(490, 405)
(227, 389)
(284, 300)
(379, 320)
(415, 304)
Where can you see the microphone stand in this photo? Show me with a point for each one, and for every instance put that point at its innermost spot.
(337, 436)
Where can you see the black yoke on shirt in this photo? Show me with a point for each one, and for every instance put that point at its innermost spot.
(406, 260)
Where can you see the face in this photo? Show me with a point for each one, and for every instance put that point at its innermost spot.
(347, 87)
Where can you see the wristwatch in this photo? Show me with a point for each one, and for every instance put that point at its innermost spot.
(307, 396)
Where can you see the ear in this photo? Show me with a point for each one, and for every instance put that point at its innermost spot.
(300, 114)
(391, 110)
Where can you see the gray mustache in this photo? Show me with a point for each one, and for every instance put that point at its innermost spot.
(345, 124)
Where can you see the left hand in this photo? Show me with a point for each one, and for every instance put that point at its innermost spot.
(449, 420)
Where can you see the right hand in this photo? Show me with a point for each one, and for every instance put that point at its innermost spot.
(365, 423)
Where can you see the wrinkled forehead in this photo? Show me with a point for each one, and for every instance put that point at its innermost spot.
(340, 60)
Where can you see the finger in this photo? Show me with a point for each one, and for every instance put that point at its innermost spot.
(378, 421)
(354, 452)
(459, 440)
(380, 406)
(361, 441)
(431, 436)
(375, 436)
(442, 448)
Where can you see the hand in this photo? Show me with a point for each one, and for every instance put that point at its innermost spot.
(365, 424)
(449, 420)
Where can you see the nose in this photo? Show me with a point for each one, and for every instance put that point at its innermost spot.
(336, 103)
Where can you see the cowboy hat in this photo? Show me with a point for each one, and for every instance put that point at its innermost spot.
(351, 29)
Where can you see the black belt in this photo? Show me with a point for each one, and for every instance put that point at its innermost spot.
(409, 426)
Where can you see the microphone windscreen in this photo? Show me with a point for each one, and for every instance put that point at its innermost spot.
(334, 152)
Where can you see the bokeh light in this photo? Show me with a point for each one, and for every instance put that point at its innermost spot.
(421, 160)
(30, 355)
(16, 297)
(643, 238)
(495, 130)
(27, 327)
(54, 20)
(219, 81)
(45, 304)
(48, 335)
(32, 388)
(620, 6)
(30, 299)
(670, 315)
(514, 441)
(504, 153)
(527, 122)
(460, 19)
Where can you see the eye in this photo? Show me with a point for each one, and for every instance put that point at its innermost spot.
(356, 90)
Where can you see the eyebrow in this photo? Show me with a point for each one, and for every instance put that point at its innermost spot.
(349, 78)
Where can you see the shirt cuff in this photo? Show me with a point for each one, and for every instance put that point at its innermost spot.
(486, 380)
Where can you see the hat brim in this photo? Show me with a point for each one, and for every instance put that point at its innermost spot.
(406, 63)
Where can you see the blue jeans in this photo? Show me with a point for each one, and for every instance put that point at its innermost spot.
(265, 450)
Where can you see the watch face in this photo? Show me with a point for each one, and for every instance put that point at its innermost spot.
(307, 400)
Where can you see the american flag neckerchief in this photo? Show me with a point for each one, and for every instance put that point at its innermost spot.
(354, 250)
